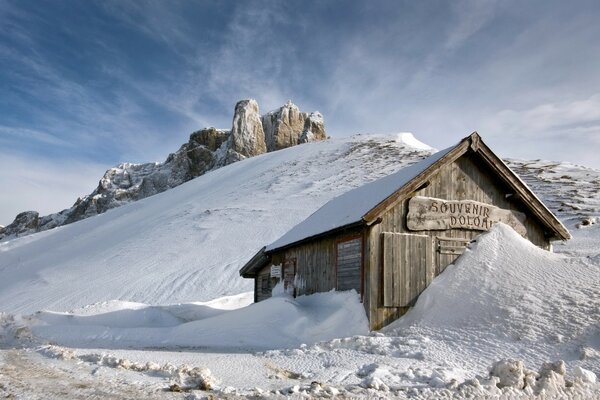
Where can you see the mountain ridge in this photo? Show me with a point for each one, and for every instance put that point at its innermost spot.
(207, 149)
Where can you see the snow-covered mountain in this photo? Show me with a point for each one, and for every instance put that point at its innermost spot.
(505, 304)
(206, 150)
(188, 243)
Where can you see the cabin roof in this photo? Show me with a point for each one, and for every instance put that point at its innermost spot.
(364, 204)
(350, 207)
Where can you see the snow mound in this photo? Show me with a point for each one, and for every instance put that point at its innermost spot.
(278, 322)
(409, 139)
(182, 378)
(506, 296)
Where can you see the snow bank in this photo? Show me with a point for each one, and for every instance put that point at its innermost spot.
(505, 285)
(505, 298)
(504, 305)
(274, 323)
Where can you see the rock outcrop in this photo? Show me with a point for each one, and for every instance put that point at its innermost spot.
(314, 128)
(247, 134)
(25, 223)
(283, 127)
(207, 149)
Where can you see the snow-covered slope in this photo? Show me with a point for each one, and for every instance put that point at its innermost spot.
(188, 243)
(481, 330)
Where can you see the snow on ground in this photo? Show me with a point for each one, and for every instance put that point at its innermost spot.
(506, 321)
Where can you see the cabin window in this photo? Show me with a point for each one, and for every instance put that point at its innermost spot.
(407, 267)
(265, 287)
(349, 264)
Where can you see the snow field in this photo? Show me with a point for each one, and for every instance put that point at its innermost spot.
(280, 322)
(507, 321)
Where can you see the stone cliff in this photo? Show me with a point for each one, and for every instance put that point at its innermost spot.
(251, 134)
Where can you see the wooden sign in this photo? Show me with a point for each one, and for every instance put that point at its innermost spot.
(428, 213)
(276, 271)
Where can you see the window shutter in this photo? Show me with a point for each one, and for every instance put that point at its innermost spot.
(349, 264)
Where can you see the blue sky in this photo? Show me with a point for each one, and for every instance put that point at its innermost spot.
(85, 85)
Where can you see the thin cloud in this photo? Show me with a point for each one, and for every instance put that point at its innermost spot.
(12, 133)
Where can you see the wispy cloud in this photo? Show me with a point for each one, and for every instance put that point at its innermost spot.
(565, 130)
(12, 133)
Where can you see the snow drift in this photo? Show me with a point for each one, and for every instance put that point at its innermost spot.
(507, 298)
(278, 322)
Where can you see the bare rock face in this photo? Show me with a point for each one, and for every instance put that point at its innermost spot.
(130, 182)
(283, 127)
(247, 134)
(314, 128)
(206, 149)
(25, 223)
(210, 138)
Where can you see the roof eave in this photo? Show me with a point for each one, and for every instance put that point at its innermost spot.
(418, 181)
(259, 260)
(348, 226)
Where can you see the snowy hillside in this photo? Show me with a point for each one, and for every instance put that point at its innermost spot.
(507, 321)
(187, 244)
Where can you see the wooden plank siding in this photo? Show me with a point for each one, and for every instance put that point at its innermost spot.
(407, 267)
(464, 179)
(315, 263)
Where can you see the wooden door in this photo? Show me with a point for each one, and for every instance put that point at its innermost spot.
(407, 267)
(447, 250)
(289, 276)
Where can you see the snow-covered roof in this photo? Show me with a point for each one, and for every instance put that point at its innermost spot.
(350, 207)
(357, 205)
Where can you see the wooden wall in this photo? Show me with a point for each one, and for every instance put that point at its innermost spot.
(464, 179)
(315, 263)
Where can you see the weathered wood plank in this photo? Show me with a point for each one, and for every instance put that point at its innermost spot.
(406, 265)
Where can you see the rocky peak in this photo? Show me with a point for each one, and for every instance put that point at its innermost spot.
(211, 138)
(314, 128)
(247, 134)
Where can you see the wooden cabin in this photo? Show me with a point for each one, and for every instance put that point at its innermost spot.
(389, 238)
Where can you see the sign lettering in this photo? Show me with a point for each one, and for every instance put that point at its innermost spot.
(428, 213)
